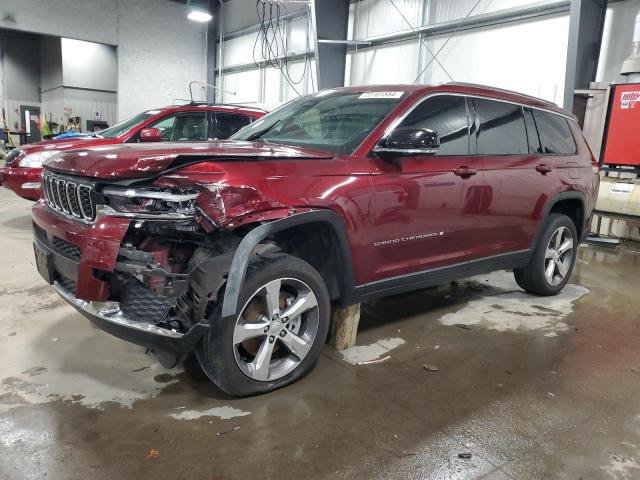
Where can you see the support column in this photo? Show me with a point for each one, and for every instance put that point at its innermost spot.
(330, 24)
(585, 37)
(213, 33)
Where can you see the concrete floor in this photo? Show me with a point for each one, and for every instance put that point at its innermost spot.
(531, 387)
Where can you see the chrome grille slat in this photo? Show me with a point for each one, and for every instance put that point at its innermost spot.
(86, 205)
(50, 186)
(69, 196)
(62, 195)
(55, 196)
(72, 199)
(79, 201)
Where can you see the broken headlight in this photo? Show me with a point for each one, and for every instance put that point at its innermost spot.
(151, 201)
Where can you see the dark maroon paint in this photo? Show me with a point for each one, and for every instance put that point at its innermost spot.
(496, 210)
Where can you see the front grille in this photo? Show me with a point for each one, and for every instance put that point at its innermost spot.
(69, 196)
(67, 249)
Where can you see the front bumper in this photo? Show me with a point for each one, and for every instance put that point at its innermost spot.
(70, 255)
(169, 346)
(25, 182)
(96, 246)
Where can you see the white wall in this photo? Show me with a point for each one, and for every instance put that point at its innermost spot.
(159, 50)
(50, 63)
(89, 65)
(527, 56)
(266, 86)
(239, 14)
(83, 104)
(20, 65)
(505, 56)
(515, 56)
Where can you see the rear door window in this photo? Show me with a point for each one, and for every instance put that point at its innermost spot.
(446, 115)
(555, 134)
(500, 128)
(226, 124)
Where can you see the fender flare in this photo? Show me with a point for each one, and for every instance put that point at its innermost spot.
(549, 204)
(242, 256)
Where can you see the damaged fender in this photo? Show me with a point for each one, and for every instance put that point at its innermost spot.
(243, 252)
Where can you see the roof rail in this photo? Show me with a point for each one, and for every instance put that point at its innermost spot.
(196, 102)
(502, 90)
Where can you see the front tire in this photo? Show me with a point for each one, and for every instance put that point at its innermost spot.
(281, 327)
(553, 259)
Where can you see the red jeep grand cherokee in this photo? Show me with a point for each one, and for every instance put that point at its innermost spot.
(237, 249)
(193, 122)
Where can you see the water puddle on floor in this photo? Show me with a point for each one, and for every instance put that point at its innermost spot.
(370, 353)
(500, 304)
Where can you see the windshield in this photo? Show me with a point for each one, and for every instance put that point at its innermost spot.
(330, 121)
(126, 125)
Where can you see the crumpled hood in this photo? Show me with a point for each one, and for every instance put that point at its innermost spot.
(140, 160)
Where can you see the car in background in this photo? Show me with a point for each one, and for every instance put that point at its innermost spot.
(195, 122)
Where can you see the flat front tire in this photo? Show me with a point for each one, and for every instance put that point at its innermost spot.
(553, 259)
(277, 336)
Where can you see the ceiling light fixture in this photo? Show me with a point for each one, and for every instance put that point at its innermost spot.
(198, 12)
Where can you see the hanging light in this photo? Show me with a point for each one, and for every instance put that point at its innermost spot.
(198, 11)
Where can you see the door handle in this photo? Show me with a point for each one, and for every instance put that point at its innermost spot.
(464, 171)
(544, 168)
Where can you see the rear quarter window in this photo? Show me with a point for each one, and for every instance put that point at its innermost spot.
(555, 134)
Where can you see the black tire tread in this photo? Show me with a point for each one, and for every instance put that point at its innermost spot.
(531, 278)
(218, 362)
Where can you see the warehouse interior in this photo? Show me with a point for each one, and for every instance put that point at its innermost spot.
(472, 378)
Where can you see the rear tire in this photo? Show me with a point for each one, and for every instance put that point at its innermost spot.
(284, 307)
(553, 259)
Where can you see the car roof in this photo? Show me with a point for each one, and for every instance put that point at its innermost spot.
(470, 89)
(230, 108)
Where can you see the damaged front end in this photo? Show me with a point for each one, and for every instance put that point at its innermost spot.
(169, 265)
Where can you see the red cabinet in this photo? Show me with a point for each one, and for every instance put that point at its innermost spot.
(622, 130)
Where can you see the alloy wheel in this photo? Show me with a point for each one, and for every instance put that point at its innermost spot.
(558, 256)
(276, 329)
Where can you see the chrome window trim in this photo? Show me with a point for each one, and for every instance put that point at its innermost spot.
(408, 151)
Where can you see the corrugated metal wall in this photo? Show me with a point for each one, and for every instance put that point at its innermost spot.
(528, 56)
(265, 85)
(515, 55)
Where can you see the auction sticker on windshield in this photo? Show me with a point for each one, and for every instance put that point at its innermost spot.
(381, 95)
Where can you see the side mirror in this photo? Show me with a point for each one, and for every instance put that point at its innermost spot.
(150, 134)
(409, 142)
